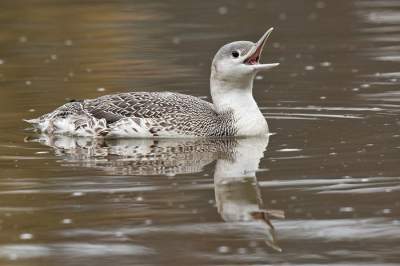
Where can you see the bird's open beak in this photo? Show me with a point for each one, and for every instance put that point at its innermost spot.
(254, 55)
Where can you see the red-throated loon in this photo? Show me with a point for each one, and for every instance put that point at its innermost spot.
(233, 112)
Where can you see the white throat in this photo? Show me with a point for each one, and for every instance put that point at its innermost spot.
(236, 95)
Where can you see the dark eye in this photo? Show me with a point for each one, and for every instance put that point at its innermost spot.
(235, 54)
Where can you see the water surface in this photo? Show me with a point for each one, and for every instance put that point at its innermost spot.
(323, 189)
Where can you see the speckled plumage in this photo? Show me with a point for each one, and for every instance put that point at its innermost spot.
(233, 112)
(158, 113)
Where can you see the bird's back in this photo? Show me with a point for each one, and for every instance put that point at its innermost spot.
(138, 114)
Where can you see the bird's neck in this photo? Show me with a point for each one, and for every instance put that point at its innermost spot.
(237, 97)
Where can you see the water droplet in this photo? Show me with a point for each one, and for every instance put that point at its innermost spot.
(346, 209)
(176, 41)
(320, 4)
(223, 249)
(250, 5)
(25, 236)
(242, 250)
(223, 10)
(326, 64)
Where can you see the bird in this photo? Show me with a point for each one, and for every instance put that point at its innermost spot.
(233, 111)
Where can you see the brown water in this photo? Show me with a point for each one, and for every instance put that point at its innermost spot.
(332, 169)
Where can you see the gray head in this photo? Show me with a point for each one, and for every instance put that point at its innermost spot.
(239, 60)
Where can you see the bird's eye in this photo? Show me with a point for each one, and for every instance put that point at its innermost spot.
(235, 54)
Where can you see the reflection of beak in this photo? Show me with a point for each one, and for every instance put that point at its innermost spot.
(254, 55)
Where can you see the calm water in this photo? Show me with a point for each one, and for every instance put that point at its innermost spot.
(324, 189)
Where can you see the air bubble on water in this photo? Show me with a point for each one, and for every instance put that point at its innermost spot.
(28, 82)
(346, 209)
(275, 45)
(320, 4)
(333, 153)
(66, 221)
(25, 236)
(1, 62)
(259, 77)
(282, 16)
(223, 249)
(176, 41)
(355, 89)
(313, 16)
(148, 222)
(309, 68)
(23, 39)
(326, 64)
(31, 110)
(139, 198)
(223, 10)
(53, 57)
(365, 86)
(250, 5)
(364, 180)
(322, 97)
(387, 211)
(101, 89)
(68, 42)
(242, 250)
(88, 70)
(77, 194)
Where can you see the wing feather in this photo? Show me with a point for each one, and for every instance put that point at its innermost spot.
(146, 105)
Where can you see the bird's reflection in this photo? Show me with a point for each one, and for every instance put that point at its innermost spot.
(237, 191)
